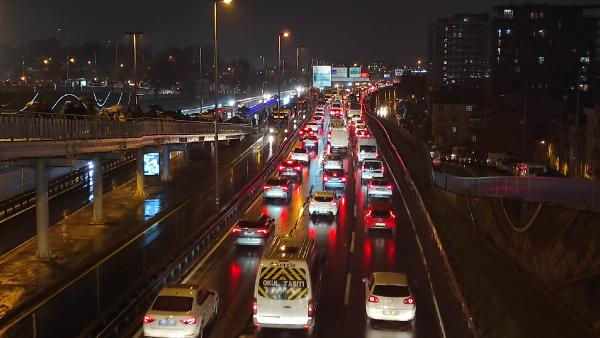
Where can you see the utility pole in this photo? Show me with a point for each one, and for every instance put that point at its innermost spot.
(134, 36)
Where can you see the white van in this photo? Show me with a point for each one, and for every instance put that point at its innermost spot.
(367, 149)
(339, 140)
(286, 285)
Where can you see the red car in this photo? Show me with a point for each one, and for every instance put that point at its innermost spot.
(362, 133)
(305, 132)
(291, 168)
(380, 215)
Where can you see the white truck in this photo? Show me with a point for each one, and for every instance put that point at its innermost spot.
(339, 140)
(367, 149)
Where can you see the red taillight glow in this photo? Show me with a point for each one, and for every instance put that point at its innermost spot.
(389, 186)
(254, 307)
(325, 178)
(189, 321)
(370, 186)
(289, 162)
(262, 231)
(369, 212)
(373, 299)
(409, 300)
(334, 203)
(311, 308)
(392, 214)
(267, 187)
(281, 167)
(236, 230)
(148, 319)
(285, 188)
(344, 179)
(298, 168)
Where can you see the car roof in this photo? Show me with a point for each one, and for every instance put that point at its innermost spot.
(378, 180)
(277, 180)
(324, 194)
(379, 206)
(182, 290)
(390, 278)
(372, 161)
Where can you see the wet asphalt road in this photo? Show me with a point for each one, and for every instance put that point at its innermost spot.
(351, 254)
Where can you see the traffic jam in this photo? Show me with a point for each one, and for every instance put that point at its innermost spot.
(322, 236)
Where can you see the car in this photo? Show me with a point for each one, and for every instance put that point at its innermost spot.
(319, 120)
(300, 154)
(311, 141)
(333, 161)
(323, 203)
(314, 126)
(305, 132)
(379, 187)
(380, 215)
(371, 169)
(253, 232)
(182, 310)
(388, 297)
(334, 178)
(277, 187)
(291, 168)
(361, 131)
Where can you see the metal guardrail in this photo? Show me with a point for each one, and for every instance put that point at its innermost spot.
(41, 126)
(567, 192)
(22, 202)
(143, 265)
(432, 251)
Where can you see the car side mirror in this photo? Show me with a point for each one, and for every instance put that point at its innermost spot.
(365, 280)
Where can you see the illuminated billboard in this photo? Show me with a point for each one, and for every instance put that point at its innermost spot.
(339, 72)
(354, 72)
(321, 76)
(151, 164)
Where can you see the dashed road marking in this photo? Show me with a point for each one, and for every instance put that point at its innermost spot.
(347, 292)
(352, 241)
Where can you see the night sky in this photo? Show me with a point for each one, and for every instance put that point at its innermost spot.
(346, 31)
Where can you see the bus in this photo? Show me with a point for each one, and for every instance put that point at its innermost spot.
(287, 285)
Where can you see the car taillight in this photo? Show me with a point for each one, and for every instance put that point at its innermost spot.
(369, 212)
(189, 321)
(344, 179)
(334, 203)
(285, 188)
(313, 202)
(382, 170)
(254, 307)
(289, 162)
(267, 187)
(409, 300)
(325, 178)
(281, 167)
(311, 308)
(389, 186)
(262, 231)
(392, 214)
(373, 299)
(298, 168)
(148, 319)
(236, 230)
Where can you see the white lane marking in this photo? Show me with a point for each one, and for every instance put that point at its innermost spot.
(352, 241)
(412, 223)
(214, 248)
(347, 292)
(355, 210)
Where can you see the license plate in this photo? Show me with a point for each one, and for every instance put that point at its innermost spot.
(166, 322)
(380, 224)
(390, 313)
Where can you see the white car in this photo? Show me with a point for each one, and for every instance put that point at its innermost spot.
(182, 310)
(371, 169)
(333, 161)
(277, 187)
(379, 187)
(388, 297)
(323, 203)
(300, 155)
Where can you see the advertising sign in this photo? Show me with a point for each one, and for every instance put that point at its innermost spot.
(339, 72)
(387, 76)
(354, 72)
(151, 164)
(321, 76)
(399, 72)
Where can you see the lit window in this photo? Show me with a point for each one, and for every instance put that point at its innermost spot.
(542, 32)
(469, 108)
(508, 32)
(508, 13)
(466, 19)
(584, 59)
(499, 33)
(454, 129)
(540, 60)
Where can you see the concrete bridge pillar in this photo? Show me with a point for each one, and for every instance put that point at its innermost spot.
(41, 210)
(165, 162)
(98, 210)
(139, 174)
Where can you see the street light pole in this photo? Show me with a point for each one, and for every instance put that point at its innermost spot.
(278, 72)
(135, 80)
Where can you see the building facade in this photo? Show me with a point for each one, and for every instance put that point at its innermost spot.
(553, 48)
(458, 49)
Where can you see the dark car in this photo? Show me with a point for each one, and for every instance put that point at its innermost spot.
(291, 169)
(254, 232)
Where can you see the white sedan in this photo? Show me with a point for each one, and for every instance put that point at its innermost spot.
(323, 203)
(379, 187)
(388, 297)
(182, 310)
(300, 155)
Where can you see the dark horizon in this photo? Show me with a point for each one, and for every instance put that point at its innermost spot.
(334, 30)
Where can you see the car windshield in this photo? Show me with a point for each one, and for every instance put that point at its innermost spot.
(173, 304)
(248, 224)
(276, 181)
(300, 150)
(391, 291)
(380, 213)
(368, 149)
(323, 198)
(372, 165)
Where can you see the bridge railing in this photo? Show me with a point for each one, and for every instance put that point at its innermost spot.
(568, 192)
(40, 126)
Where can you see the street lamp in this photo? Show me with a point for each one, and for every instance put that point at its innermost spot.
(285, 35)
(134, 36)
(216, 66)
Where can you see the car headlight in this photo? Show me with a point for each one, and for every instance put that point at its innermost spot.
(271, 130)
